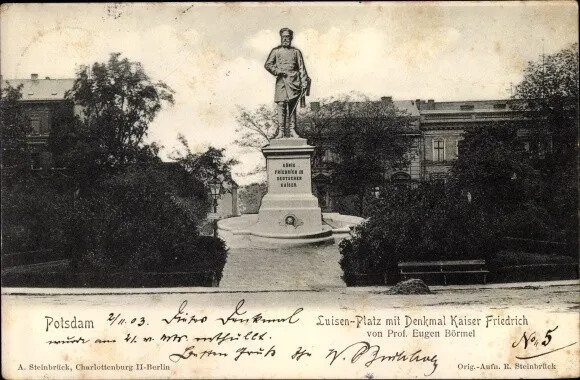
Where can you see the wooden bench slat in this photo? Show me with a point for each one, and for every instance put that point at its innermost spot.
(419, 263)
(467, 271)
(443, 268)
(436, 263)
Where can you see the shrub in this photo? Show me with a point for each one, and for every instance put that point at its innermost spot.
(424, 224)
(142, 219)
(251, 197)
(510, 258)
(529, 221)
(32, 212)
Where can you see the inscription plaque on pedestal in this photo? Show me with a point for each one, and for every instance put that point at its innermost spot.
(289, 209)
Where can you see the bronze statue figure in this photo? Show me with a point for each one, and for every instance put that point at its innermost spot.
(292, 82)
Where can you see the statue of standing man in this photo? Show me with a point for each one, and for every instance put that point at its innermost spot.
(292, 82)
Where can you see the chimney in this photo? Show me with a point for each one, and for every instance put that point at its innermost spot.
(315, 106)
(418, 103)
(34, 76)
(387, 99)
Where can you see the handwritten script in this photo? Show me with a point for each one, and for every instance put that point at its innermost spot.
(244, 337)
(371, 354)
(238, 334)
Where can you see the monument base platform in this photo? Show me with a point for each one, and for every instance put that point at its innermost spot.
(241, 231)
(289, 213)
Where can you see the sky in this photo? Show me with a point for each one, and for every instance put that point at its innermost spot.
(213, 55)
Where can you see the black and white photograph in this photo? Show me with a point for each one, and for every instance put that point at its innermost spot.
(351, 190)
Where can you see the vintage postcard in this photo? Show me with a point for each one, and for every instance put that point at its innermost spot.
(290, 190)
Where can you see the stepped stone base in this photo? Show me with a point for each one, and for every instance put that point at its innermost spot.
(289, 210)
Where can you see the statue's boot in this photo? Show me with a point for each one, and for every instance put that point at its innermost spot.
(279, 132)
(293, 132)
(292, 122)
(282, 125)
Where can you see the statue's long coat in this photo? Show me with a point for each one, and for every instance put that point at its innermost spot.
(287, 60)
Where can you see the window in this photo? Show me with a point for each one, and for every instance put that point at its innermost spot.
(399, 165)
(438, 177)
(401, 180)
(460, 147)
(35, 163)
(466, 107)
(499, 106)
(549, 144)
(330, 156)
(527, 146)
(438, 150)
(542, 149)
(35, 125)
(400, 177)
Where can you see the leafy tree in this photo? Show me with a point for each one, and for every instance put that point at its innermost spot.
(15, 127)
(367, 136)
(256, 128)
(117, 102)
(134, 212)
(549, 90)
(207, 165)
(498, 178)
(494, 168)
(250, 197)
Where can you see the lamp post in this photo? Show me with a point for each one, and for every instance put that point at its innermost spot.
(215, 187)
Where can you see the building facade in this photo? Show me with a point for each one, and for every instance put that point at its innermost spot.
(437, 132)
(443, 124)
(44, 105)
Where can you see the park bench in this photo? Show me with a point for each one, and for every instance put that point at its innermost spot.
(414, 269)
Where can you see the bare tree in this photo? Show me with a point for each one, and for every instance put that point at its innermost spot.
(256, 128)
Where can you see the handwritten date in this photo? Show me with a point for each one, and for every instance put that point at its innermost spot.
(117, 319)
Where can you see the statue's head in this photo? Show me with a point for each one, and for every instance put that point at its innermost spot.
(286, 36)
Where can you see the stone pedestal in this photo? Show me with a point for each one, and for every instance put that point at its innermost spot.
(289, 210)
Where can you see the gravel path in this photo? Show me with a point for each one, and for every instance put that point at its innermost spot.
(291, 268)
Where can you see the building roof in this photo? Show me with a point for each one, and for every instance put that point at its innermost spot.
(407, 106)
(465, 106)
(41, 89)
